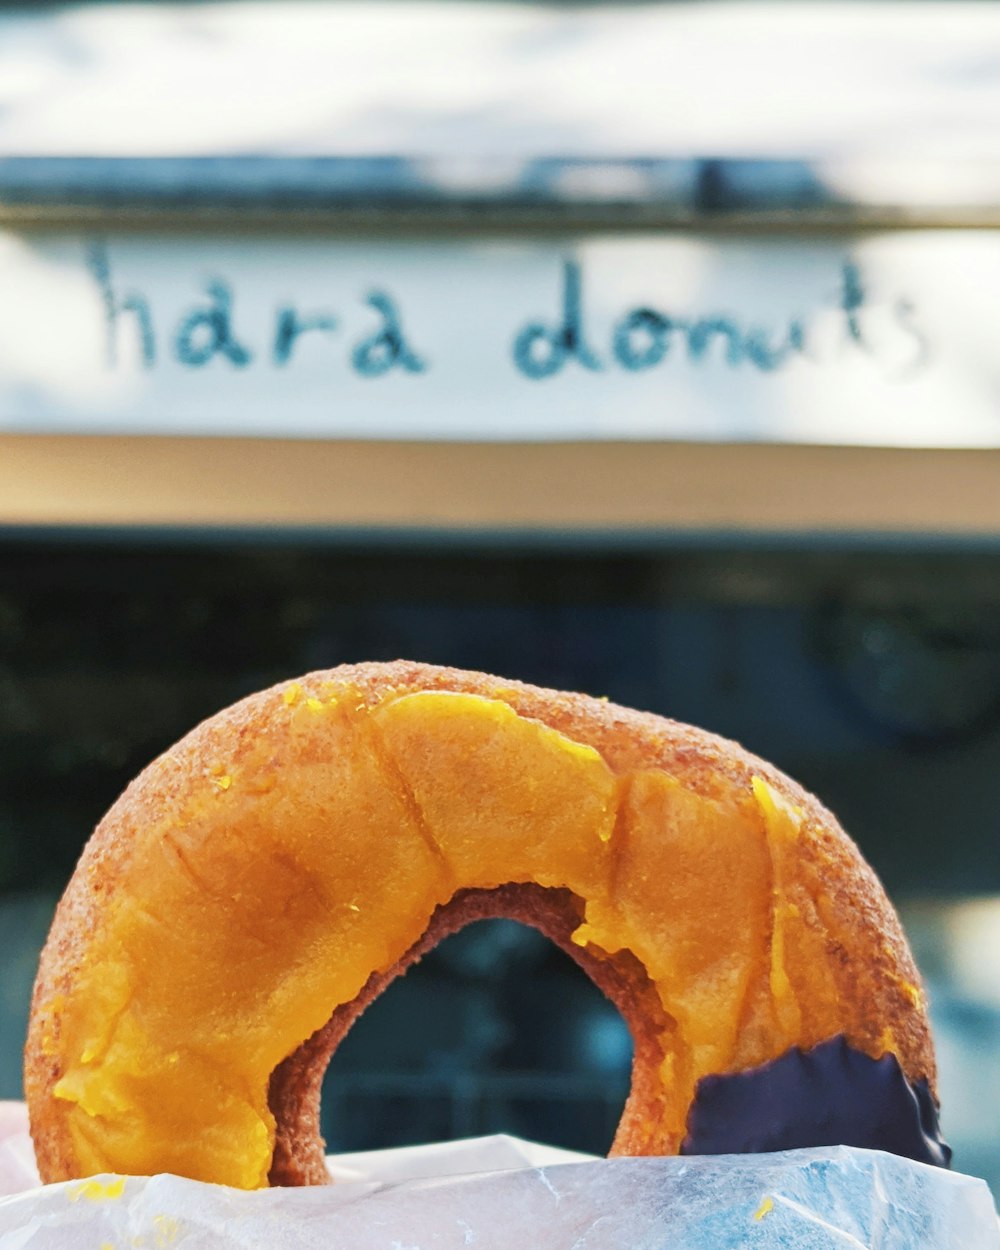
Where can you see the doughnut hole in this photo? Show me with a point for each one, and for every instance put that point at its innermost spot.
(295, 1088)
(468, 1043)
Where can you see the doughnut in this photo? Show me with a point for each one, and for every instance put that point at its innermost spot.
(263, 880)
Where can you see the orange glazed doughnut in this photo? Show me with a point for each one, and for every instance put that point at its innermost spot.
(257, 885)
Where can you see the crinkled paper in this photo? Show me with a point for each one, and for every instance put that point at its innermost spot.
(501, 1194)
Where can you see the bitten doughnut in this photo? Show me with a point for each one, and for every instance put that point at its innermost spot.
(258, 884)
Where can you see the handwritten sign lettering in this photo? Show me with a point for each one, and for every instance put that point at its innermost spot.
(858, 340)
(207, 331)
(641, 339)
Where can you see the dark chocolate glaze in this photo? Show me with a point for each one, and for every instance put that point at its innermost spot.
(832, 1095)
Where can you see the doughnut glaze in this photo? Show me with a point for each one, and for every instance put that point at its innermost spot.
(259, 883)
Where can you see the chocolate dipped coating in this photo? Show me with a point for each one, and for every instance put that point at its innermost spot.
(831, 1095)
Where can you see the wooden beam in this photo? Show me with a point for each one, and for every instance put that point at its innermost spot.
(617, 486)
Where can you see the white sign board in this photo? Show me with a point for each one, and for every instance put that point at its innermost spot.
(886, 339)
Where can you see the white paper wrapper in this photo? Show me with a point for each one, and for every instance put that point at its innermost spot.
(501, 1194)
(17, 1156)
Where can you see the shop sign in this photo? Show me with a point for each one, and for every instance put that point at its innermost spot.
(890, 338)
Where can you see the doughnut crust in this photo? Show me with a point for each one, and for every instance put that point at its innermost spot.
(261, 882)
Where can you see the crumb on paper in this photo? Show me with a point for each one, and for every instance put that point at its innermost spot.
(167, 1231)
(765, 1208)
(98, 1190)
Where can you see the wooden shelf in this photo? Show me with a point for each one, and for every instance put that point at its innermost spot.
(48, 480)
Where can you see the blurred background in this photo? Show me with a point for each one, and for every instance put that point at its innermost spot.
(647, 350)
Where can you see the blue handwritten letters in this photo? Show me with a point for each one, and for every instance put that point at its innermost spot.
(541, 351)
(571, 341)
(644, 338)
(208, 331)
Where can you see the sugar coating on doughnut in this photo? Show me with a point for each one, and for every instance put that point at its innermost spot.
(259, 883)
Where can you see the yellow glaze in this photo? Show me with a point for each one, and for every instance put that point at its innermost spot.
(226, 945)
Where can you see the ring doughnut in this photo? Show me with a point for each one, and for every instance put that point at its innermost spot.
(258, 884)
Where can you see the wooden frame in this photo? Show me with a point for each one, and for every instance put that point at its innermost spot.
(50, 480)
